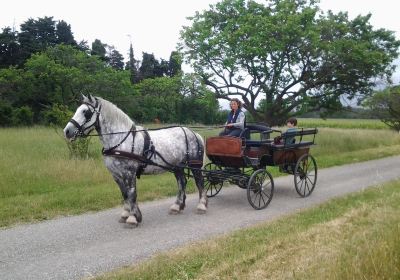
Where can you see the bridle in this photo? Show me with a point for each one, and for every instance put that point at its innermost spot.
(88, 116)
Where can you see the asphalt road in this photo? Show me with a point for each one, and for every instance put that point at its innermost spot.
(86, 245)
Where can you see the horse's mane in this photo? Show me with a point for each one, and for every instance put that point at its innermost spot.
(111, 111)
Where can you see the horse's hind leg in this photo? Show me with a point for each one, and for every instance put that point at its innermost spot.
(181, 197)
(203, 200)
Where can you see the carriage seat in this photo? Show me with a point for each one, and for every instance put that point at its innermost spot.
(277, 147)
(258, 143)
(224, 146)
(256, 128)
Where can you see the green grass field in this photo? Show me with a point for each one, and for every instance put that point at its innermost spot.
(40, 181)
(342, 123)
(354, 237)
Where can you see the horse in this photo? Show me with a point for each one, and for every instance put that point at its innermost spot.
(130, 150)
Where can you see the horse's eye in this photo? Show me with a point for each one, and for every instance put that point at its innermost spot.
(88, 114)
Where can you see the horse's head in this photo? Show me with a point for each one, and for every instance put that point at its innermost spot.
(85, 119)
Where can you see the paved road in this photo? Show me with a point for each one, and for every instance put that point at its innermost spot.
(86, 245)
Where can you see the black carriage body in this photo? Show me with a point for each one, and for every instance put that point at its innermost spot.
(243, 161)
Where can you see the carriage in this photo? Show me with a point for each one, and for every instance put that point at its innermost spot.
(243, 161)
(130, 151)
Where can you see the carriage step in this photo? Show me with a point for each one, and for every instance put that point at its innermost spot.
(253, 161)
(195, 163)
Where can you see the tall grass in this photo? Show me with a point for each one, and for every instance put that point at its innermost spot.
(342, 123)
(40, 181)
(355, 237)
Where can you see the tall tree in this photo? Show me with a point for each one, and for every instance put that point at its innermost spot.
(36, 36)
(148, 67)
(131, 65)
(9, 48)
(99, 49)
(287, 53)
(115, 58)
(174, 64)
(386, 106)
(64, 34)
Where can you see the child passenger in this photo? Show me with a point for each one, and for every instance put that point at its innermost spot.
(291, 123)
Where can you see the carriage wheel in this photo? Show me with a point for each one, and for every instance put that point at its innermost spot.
(260, 189)
(305, 175)
(212, 182)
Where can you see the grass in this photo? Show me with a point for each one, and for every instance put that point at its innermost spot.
(343, 123)
(39, 181)
(354, 237)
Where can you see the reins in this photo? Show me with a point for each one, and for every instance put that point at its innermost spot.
(149, 150)
(150, 129)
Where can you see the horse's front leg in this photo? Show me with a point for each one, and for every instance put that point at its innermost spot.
(135, 216)
(131, 213)
(181, 197)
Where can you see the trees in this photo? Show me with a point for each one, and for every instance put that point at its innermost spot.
(115, 58)
(386, 106)
(99, 49)
(9, 48)
(131, 65)
(35, 36)
(64, 34)
(287, 53)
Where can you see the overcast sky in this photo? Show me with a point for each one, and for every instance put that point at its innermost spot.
(153, 25)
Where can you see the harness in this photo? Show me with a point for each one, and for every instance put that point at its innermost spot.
(149, 152)
(88, 116)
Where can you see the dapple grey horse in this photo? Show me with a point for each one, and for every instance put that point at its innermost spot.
(130, 151)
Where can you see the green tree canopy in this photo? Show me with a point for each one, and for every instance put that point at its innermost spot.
(99, 49)
(9, 48)
(64, 34)
(115, 58)
(386, 106)
(288, 53)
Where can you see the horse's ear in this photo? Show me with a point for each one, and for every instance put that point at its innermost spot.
(90, 97)
(83, 97)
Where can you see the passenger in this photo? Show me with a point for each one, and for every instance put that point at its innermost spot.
(291, 123)
(235, 122)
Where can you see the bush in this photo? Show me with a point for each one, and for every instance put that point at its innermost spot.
(58, 115)
(386, 106)
(5, 114)
(79, 149)
(22, 116)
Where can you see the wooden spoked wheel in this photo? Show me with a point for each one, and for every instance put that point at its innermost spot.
(212, 179)
(305, 175)
(260, 189)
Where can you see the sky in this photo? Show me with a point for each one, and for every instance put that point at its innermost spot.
(153, 26)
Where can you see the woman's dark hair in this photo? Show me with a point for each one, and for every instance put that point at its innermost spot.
(237, 102)
(292, 120)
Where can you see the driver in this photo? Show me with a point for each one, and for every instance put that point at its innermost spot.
(235, 122)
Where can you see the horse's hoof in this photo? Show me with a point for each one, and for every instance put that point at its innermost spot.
(131, 221)
(201, 208)
(122, 220)
(174, 209)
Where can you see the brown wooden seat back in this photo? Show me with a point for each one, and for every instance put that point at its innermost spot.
(224, 146)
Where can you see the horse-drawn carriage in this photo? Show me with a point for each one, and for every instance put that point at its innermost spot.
(243, 161)
(130, 150)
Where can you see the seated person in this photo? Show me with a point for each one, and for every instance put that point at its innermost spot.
(235, 123)
(291, 123)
